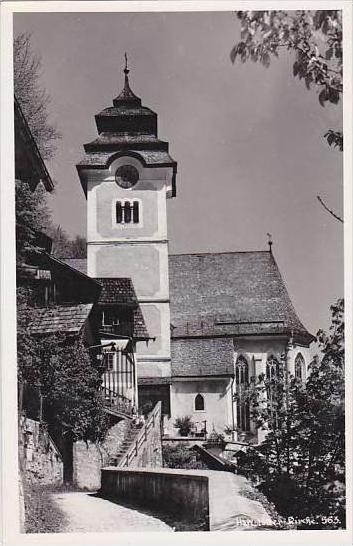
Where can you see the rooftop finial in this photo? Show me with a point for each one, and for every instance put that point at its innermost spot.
(127, 98)
(126, 70)
(270, 241)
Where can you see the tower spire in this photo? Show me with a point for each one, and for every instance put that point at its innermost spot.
(127, 97)
(126, 70)
(126, 84)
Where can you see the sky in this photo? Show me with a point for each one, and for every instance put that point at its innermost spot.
(248, 140)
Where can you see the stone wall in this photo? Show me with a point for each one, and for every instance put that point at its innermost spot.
(89, 458)
(182, 493)
(41, 462)
(144, 450)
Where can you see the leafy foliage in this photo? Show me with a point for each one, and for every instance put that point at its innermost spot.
(60, 370)
(64, 247)
(180, 456)
(33, 99)
(32, 216)
(301, 463)
(184, 424)
(315, 37)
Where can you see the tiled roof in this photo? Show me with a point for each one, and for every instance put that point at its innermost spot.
(77, 263)
(151, 158)
(230, 293)
(112, 141)
(202, 357)
(126, 111)
(62, 319)
(117, 290)
(121, 291)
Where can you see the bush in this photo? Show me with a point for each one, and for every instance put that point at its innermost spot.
(184, 424)
(180, 456)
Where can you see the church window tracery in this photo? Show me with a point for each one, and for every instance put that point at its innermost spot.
(242, 384)
(274, 374)
(272, 368)
(299, 367)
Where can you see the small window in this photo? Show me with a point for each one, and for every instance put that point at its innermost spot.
(110, 318)
(199, 403)
(110, 361)
(127, 212)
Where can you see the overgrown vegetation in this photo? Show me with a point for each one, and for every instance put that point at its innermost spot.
(61, 372)
(301, 463)
(180, 456)
(42, 514)
(184, 425)
(64, 246)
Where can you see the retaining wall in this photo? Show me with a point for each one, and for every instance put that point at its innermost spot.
(89, 458)
(40, 460)
(182, 493)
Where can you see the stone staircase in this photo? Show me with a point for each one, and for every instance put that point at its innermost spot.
(130, 437)
(142, 444)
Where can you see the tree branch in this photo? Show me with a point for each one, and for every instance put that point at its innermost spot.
(329, 210)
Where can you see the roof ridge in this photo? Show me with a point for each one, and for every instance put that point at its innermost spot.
(114, 278)
(223, 252)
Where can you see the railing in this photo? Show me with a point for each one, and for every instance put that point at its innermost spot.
(116, 402)
(199, 429)
(142, 436)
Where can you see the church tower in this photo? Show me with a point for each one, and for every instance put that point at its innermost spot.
(127, 175)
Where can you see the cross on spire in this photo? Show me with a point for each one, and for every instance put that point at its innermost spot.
(270, 241)
(127, 97)
(126, 70)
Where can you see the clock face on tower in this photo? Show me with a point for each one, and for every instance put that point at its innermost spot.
(126, 176)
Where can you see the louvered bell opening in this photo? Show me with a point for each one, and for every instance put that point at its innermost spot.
(135, 212)
(127, 213)
(119, 213)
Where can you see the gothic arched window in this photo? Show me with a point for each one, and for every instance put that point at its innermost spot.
(242, 384)
(299, 367)
(199, 403)
(272, 368)
(274, 374)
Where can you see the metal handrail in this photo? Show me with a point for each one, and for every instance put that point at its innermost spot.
(116, 401)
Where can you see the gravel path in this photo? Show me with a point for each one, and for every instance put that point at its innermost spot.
(87, 513)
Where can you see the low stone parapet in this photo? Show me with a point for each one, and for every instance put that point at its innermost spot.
(181, 493)
(208, 499)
